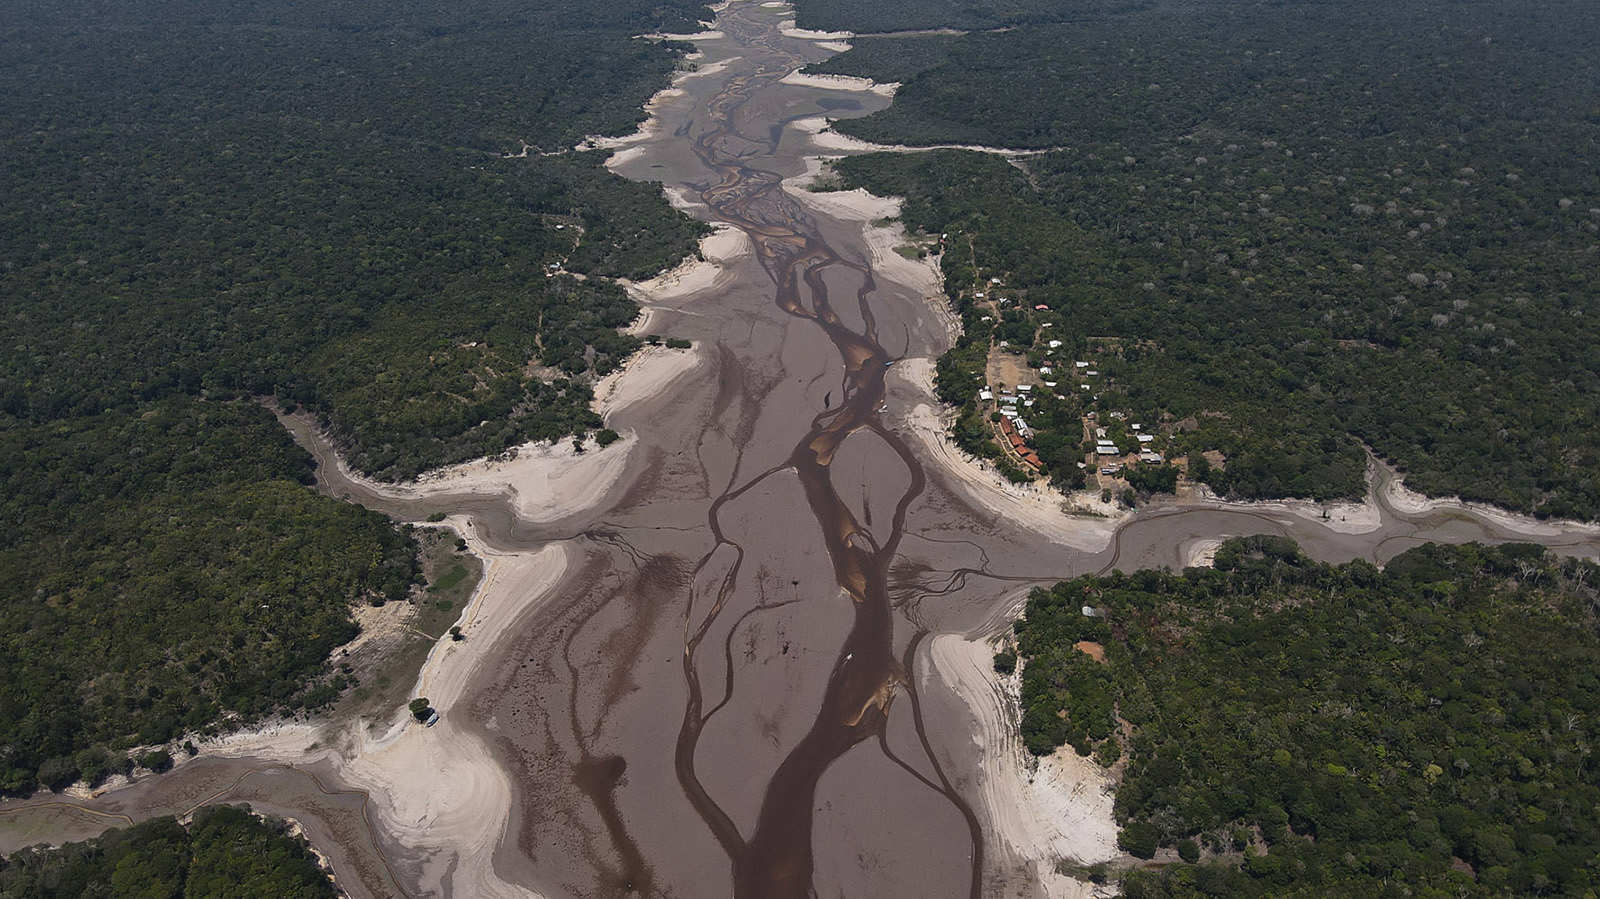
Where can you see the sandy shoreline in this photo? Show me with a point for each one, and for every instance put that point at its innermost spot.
(838, 83)
(826, 140)
(439, 791)
(647, 374)
(1058, 807)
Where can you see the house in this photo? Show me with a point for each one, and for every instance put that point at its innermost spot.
(1041, 308)
(1025, 388)
(1104, 450)
(1049, 383)
(985, 395)
(1054, 344)
(1144, 438)
(1081, 364)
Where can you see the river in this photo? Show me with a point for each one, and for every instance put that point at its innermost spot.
(727, 690)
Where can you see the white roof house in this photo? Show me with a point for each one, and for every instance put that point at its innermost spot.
(985, 395)
(1081, 364)
(1025, 388)
(1145, 438)
(1104, 450)
(1054, 343)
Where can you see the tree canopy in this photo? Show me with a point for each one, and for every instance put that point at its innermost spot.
(1321, 223)
(226, 853)
(1336, 730)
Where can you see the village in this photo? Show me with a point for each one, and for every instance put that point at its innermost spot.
(1049, 405)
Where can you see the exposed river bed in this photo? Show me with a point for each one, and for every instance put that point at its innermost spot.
(707, 669)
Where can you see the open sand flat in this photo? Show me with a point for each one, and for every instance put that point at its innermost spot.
(840, 82)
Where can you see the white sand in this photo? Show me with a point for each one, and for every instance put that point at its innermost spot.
(697, 36)
(837, 83)
(719, 251)
(543, 481)
(1410, 502)
(825, 140)
(1202, 552)
(649, 373)
(806, 34)
(1063, 809)
(1342, 517)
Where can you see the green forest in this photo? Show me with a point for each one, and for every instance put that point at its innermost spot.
(1293, 728)
(371, 211)
(225, 853)
(1313, 226)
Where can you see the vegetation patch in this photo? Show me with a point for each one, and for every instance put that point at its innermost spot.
(225, 851)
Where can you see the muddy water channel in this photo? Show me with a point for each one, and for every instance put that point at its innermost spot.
(729, 691)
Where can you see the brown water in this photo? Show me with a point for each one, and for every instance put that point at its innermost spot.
(728, 694)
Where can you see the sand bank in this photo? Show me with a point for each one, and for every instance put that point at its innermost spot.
(649, 373)
(1343, 516)
(713, 270)
(544, 482)
(1061, 809)
(837, 83)
(696, 36)
(824, 140)
(1393, 492)
(1202, 553)
(806, 34)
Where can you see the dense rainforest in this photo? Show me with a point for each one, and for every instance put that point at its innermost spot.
(372, 211)
(1293, 728)
(1306, 226)
(224, 853)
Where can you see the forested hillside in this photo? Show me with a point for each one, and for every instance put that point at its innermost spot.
(1316, 730)
(226, 852)
(1307, 224)
(371, 210)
